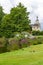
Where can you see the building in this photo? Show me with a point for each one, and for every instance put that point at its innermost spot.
(36, 25)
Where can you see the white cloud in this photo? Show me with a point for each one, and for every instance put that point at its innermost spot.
(6, 5)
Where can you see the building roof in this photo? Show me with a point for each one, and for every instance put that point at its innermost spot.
(36, 22)
(35, 25)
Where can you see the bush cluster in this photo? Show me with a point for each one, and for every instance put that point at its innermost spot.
(7, 45)
(37, 32)
(11, 44)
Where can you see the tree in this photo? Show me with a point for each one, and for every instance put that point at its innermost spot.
(16, 21)
(6, 26)
(19, 17)
(1, 17)
(1, 14)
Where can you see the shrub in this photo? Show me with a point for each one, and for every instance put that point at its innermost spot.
(13, 44)
(36, 32)
(39, 42)
(23, 42)
(3, 45)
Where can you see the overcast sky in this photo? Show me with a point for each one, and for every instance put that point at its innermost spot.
(35, 7)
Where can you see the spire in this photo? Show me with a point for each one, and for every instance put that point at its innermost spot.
(37, 18)
(37, 21)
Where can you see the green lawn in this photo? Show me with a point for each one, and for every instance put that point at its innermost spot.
(32, 55)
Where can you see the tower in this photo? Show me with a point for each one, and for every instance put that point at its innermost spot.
(36, 25)
(37, 21)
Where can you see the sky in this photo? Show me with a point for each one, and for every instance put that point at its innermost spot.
(35, 7)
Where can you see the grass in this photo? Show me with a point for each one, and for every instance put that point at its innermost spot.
(32, 55)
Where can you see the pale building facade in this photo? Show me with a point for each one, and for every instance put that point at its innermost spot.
(36, 25)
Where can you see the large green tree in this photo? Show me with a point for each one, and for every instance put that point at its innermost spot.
(1, 14)
(16, 21)
(20, 18)
(1, 17)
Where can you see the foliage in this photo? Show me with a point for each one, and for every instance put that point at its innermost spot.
(13, 44)
(1, 17)
(3, 45)
(37, 32)
(39, 42)
(41, 33)
(21, 19)
(23, 43)
(12, 25)
(16, 21)
(16, 43)
(1, 14)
